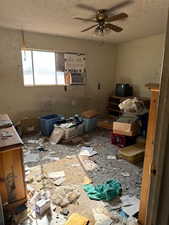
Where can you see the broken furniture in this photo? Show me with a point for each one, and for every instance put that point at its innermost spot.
(148, 169)
(12, 185)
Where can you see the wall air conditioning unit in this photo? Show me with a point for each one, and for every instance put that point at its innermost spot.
(73, 78)
(77, 79)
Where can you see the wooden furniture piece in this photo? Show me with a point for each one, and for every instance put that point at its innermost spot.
(114, 101)
(12, 185)
(147, 168)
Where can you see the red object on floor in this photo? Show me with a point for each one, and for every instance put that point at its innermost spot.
(122, 140)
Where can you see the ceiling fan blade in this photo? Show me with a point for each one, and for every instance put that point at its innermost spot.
(119, 16)
(87, 7)
(113, 27)
(89, 28)
(84, 19)
(124, 3)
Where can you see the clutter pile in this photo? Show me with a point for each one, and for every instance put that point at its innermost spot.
(49, 191)
(61, 129)
(128, 127)
(107, 191)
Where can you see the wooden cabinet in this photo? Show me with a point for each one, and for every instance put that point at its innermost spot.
(147, 169)
(12, 185)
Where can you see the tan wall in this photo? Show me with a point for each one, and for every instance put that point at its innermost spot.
(19, 101)
(139, 62)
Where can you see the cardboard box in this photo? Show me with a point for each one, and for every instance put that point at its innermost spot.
(29, 126)
(128, 129)
(105, 124)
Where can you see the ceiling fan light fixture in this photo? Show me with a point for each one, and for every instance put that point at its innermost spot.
(102, 31)
(104, 18)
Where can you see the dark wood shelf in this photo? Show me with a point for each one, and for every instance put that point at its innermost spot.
(114, 101)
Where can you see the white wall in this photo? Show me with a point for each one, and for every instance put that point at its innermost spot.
(139, 62)
(19, 101)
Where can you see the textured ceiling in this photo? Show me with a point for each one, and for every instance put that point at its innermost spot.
(146, 17)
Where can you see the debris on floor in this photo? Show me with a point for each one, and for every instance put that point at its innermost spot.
(101, 218)
(77, 219)
(56, 135)
(69, 168)
(125, 174)
(56, 175)
(65, 195)
(89, 165)
(107, 191)
(42, 206)
(111, 157)
(58, 178)
(87, 180)
(64, 211)
(88, 151)
(130, 205)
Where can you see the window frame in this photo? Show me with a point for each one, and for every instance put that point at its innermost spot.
(40, 85)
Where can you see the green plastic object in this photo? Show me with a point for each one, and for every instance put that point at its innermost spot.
(107, 191)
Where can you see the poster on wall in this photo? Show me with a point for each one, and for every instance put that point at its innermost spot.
(75, 67)
(75, 62)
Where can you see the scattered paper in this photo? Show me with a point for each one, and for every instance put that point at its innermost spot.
(75, 164)
(52, 158)
(87, 151)
(27, 168)
(130, 205)
(125, 174)
(56, 175)
(68, 157)
(101, 219)
(56, 135)
(27, 173)
(59, 181)
(111, 157)
(32, 141)
(32, 157)
(89, 165)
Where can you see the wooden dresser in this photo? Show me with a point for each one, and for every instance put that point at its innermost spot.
(148, 167)
(12, 185)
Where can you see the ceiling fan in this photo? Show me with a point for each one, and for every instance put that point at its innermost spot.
(104, 17)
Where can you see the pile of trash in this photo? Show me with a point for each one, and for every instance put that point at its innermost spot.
(132, 105)
(65, 195)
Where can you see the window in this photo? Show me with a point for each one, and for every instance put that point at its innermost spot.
(41, 68)
(51, 68)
